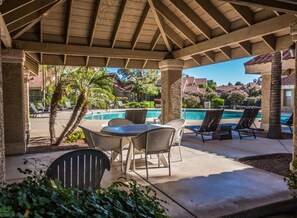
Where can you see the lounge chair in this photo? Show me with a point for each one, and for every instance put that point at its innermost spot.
(42, 107)
(178, 125)
(209, 125)
(156, 141)
(80, 169)
(121, 104)
(244, 126)
(258, 104)
(36, 112)
(136, 116)
(288, 122)
(68, 105)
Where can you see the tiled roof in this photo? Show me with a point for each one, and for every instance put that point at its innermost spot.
(191, 89)
(35, 81)
(201, 81)
(287, 81)
(265, 58)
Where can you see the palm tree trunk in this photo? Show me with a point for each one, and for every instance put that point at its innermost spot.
(56, 98)
(83, 111)
(79, 103)
(274, 131)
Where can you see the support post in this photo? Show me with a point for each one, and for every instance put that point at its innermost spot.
(293, 165)
(2, 140)
(26, 105)
(171, 96)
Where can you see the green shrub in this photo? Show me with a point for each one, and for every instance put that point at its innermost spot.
(36, 197)
(133, 104)
(75, 136)
(217, 102)
(191, 101)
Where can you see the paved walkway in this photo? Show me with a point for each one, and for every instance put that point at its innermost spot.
(208, 182)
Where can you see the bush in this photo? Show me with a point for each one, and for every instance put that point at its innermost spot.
(191, 101)
(217, 102)
(75, 136)
(36, 197)
(237, 98)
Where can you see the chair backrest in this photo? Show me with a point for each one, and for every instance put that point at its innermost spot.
(34, 108)
(41, 106)
(68, 104)
(136, 116)
(121, 104)
(211, 120)
(178, 125)
(80, 169)
(119, 121)
(248, 118)
(245, 103)
(87, 133)
(105, 142)
(155, 140)
(258, 103)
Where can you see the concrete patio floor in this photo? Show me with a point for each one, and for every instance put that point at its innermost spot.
(209, 182)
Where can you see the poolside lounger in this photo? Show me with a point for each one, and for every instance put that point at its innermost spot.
(121, 104)
(244, 105)
(35, 110)
(209, 125)
(244, 126)
(42, 107)
(227, 104)
(288, 122)
(68, 105)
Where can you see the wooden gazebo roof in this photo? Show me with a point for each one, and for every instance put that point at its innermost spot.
(140, 33)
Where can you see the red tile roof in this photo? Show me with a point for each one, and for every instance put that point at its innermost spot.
(287, 81)
(265, 58)
(35, 81)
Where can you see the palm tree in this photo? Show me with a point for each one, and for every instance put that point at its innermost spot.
(274, 131)
(89, 82)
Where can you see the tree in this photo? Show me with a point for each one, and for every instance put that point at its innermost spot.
(144, 81)
(274, 131)
(86, 83)
(230, 84)
(236, 98)
(211, 84)
(238, 83)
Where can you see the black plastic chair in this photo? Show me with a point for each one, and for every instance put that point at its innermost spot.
(209, 125)
(245, 123)
(288, 122)
(136, 116)
(227, 104)
(80, 169)
(244, 105)
(156, 141)
(258, 103)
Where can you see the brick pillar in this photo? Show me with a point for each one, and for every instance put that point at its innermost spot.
(293, 164)
(171, 74)
(26, 104)
(265, 105)
(13, 101)
(2, 142)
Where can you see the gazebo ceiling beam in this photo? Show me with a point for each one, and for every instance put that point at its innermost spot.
(247, 47)
(29, 21)
(215, 14)
(175, 21)
(155, 39)
(257, 30)
(197, 59)
(68, 24)
(172, 35)
(193, 18)
(227, 52)
(93, 27)
(26, 10)
(5, 36)
(13, 5)
(77, 50)
(280, 6)
(158, 20)
(211, 56)
(270, 41)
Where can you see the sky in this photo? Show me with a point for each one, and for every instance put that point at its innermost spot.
(221, 73)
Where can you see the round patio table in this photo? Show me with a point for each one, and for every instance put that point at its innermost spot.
(132, 130)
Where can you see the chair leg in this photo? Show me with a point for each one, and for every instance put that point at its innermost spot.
(254, 134)
(180, 154)
(239, 135)
(169, 163)
(146, 166)
(290, 128)
(133, 159)
(203, 138)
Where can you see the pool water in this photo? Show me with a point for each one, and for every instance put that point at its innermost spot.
(188, 114)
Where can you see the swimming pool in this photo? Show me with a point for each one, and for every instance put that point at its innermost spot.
(154, 113)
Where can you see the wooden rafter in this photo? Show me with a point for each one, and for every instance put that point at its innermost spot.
(257, 30)
(270, 41)
(68, 24)
(29, 21)
(175, 21)
(211, 56)
(197, 59)
(280, 6)
(155, 39)
(13, 5)
(193, 18)
(159, 23)
(27, 10)
(227, 52)
(172, 35)
(5, 36)
(41, 37)
(54, 48)
(215, 14)
(246, 46)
